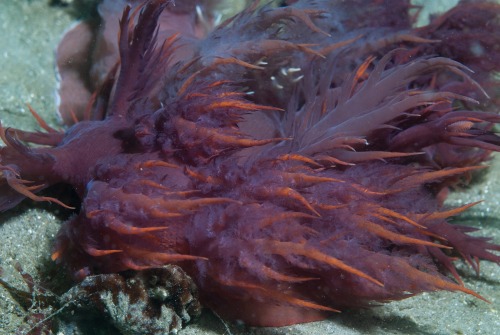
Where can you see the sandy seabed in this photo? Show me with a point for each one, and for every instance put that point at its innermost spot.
(30, 30)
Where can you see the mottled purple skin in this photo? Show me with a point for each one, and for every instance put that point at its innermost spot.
(320, 190)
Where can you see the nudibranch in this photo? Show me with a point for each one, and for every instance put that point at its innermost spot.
(292, 160)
